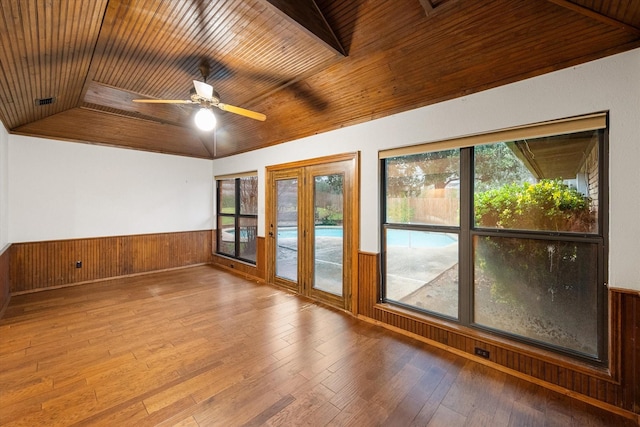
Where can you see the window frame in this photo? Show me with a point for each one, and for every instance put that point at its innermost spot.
(467, 231)
(422, 227)
(237, 215)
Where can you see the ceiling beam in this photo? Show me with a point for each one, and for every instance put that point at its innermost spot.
(595, 15)
(306, 15)
(119, 99)
(427, 6)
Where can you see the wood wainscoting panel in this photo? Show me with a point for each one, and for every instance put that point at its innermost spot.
(617, 388)
(49, 264)
(252, 272)
(261, 259)
(629, 337)
(368, 282)
(241, 268)
(5, 286)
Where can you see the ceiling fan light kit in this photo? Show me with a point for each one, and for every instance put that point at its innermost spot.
(206, 97)
(205, 119)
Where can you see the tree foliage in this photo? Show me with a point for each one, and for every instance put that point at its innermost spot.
(495, 165)
(546, 205)
(524, 271)
(408, 175)
(249, 195)
(333, 184)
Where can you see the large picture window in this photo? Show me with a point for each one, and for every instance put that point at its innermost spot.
(237, 217)
(504, 233)
(422, 230)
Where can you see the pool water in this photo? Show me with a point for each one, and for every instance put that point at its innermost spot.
(406, 238)
(287, 233)
(420, 239)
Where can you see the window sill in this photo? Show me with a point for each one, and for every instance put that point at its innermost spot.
(232, 259)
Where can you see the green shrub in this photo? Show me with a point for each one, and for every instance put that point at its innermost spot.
(328, 216)
(398, 210)
(527, 271)
(546, 205)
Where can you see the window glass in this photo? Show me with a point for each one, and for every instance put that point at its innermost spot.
(226, 235)
(544, 290)
(548, 184)
(249, 195)
(422, 270)
(248, 235)
(227, 196)
(237, 218)
(505, 237)
(286, 234)
(423, 188)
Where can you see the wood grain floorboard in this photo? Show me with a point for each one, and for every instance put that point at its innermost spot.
(202, 347)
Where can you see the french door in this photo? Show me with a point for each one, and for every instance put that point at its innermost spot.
(311, 226)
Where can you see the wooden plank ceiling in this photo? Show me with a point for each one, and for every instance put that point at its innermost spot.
(310, 66)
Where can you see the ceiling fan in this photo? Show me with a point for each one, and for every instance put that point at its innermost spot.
(206, 97)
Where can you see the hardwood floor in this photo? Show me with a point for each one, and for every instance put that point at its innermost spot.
(201, 347)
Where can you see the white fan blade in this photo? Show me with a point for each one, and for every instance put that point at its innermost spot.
(204, 90)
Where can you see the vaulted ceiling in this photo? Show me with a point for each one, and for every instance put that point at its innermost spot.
(70, 69)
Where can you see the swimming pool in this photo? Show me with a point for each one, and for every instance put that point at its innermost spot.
(407, 238)
(419, 239)
(288, 233)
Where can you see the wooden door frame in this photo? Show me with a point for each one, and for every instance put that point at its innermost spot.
(271, 195)
(352, 223)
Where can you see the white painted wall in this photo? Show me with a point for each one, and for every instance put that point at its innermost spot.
(4, 188)
(63, 190)
(611, 84)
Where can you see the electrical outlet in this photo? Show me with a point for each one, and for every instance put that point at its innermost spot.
(481, 352)
(78, 264)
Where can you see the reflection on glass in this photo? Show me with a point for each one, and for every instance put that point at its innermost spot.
(544, 290)
(286, 232)
(226, 235)
(249, 195)
(227, 188)
(547, 184)
(248, 234)
(422, 270)
(328, 233)
(423, 188)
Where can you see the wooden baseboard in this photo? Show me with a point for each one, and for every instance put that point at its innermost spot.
(69, 285)
(239, 272)
(251, 271)
(4, 306)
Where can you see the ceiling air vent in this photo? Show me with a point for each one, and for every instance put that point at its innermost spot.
(45, 101)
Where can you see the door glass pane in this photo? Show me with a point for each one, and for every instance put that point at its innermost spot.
(286, 233)
(328, 233)
(423, 188)
(543, 290)
(422, 270)
(547, 184)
